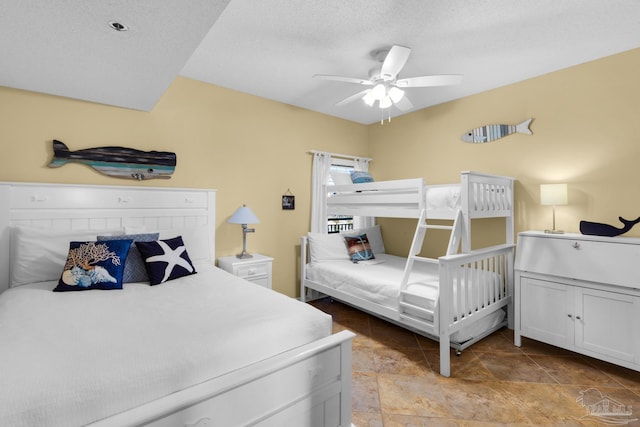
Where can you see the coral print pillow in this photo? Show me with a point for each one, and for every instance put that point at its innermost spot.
(94, 265)
(166, 259)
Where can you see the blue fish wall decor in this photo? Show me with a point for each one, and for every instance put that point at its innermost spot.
(119, 162)
(490, 133)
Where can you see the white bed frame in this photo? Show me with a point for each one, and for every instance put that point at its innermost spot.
(483, 196)
(304, 386)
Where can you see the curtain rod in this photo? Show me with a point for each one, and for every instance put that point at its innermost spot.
(343, 156)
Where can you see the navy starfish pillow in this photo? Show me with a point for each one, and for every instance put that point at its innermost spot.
(165, 259)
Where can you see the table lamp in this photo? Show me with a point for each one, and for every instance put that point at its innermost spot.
(244, 216)
(554, 195)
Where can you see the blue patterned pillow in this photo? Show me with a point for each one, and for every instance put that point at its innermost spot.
(359, 248)
(359, 177)
(166, 259)
(135, 269)
(94, 265)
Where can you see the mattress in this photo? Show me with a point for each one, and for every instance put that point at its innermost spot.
(378, 281)
(72, 358)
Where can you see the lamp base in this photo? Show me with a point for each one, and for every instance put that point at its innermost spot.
(554, 231)
(244, 255)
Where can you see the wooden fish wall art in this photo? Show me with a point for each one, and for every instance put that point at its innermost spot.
(490, 133)
(118, 162)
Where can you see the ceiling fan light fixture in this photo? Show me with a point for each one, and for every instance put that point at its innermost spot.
(396, 94)
(379, 91)
(385, 102)
(368, 98)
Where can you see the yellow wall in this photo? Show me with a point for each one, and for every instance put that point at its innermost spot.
(250, 149)
(586, 132)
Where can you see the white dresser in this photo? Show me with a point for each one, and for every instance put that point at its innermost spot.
(256, 269)
(581, 293)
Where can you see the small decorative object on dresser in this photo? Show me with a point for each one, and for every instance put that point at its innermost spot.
(599, 229)
(580, 293)
(256, 269)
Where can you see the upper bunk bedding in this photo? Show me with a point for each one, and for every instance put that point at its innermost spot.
(478, 195)
(72, 358)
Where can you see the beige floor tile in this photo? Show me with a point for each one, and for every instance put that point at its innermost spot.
(415, 396)
(514, 367)
(574, 369)
(466, 366)
(367, 419)
(404, 361)
(481, 401)
(363, 359)
(392, 420)
(364, 392)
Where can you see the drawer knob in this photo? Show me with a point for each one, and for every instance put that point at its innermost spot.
(569, 316)
(576, 245)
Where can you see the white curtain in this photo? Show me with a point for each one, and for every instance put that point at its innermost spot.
(362, 221)
(320, 174)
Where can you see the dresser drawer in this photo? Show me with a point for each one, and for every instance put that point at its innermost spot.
(612, 262)
(247, 271)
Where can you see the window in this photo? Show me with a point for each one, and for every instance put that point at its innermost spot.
(338, 223)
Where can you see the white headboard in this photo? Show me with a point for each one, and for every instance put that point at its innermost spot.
(97, 207)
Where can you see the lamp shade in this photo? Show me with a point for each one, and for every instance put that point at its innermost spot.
(243, 215)
(553, 194)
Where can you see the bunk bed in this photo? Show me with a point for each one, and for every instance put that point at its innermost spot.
(190, 351)
(458, 298)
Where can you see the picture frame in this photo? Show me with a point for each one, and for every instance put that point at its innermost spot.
(288, 201)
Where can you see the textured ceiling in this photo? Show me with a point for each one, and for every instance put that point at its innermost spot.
(272, 48)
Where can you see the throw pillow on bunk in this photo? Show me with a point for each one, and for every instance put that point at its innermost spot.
(359, 248)
(361, 177)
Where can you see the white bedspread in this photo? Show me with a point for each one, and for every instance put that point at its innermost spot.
(68, 359)
(377, 280)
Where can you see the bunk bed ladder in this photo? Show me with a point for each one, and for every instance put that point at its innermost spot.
(412, 306)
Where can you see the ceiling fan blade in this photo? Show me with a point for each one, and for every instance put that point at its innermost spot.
(429, 81)
(404, 104)
(393, 63)
(344, 79)
(352, 98)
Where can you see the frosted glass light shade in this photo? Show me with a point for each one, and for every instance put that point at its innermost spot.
(368, 98)
(553, 194)
(396, 94)
(243, 215)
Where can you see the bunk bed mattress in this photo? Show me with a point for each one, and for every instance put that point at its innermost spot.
(378, 281)
(71, 358)
(444, 197)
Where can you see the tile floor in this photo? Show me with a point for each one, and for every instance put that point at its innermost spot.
(493, 383)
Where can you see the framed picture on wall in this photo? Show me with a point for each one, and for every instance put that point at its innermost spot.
(288, 201)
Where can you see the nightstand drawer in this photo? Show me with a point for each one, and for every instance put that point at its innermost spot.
(259, 280)
(256, 269)
(246, 271)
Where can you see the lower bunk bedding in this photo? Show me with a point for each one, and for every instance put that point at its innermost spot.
(73, 358)
(378, 281)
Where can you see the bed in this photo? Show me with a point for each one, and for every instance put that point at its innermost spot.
(207, 348)
(458, 298)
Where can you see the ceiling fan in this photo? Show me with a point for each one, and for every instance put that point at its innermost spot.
(386, 88)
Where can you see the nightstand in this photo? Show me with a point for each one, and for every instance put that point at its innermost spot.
(256, 269)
